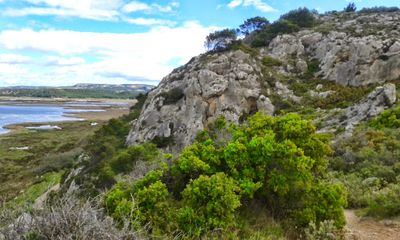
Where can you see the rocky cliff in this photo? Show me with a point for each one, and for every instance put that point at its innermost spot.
(353, 51)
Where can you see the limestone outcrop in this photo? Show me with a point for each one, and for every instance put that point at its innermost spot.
(354, 51)
(351, 50)
(209, 86)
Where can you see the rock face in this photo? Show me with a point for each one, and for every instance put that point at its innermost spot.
(209, 86)
(359, 51)
(352, 50)
(375, 103)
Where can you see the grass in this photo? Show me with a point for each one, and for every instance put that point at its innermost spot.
(49, 154)
(44, 183)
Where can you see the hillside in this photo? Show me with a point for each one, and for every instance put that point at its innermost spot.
(269, 136)
(327, 71)
(122, 91)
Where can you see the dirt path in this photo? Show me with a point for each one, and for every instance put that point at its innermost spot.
(368, 229)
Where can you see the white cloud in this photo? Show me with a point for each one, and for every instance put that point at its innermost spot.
(149, 21)
(14, 59)
(235, 3)
(105, 10)
(60, 61)
(258, 4)
(119, 57)
(79, 5)
(136, 6)
(95, 14)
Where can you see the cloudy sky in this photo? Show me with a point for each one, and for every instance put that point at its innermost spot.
(64, 42)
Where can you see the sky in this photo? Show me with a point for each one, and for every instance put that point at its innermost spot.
(65, 42)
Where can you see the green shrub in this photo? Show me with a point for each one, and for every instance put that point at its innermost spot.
(209, 203)
(278, 161)
(386, 202)
(124, 161)
(387, 119)
(172, 96)
(271, 62)
(326, 230)
(302, 17)
(264, 36)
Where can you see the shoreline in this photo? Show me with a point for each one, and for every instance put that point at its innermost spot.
(107, 109)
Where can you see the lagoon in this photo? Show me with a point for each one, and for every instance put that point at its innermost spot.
(17, 114)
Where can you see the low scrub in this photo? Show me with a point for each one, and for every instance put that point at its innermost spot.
(276, 161)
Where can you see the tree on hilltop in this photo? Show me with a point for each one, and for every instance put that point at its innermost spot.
(351, 7)
(219, 40)
(253, 24)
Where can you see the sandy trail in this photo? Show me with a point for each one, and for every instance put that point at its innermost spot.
(369, 229)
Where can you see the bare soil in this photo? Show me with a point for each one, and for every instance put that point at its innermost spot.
(370, 229)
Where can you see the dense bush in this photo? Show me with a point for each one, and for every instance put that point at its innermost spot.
(102, 147)
(302, 17)
(276, 161)
(351, 7)
(381, 9)
(209, 202)
(370, 160)
(264, 36)
(220, 40)
(253, 24)
(271, 62)
(388, 119)
(386, 202)
(172, 96)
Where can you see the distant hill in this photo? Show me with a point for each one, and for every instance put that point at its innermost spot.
(82, 90)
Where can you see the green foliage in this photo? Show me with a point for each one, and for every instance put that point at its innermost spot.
(264, 36)
(368, 165)
(210, 202)
(312, 68)
(172, 96)
(220, 40)
(106, 151)
(271, 62)
(253, 24)
(387, 119)
(278, 161)
(326, 230)
(386, 202)
(381, 9)
(351, 7)
(162, 142)
(302, 17)
(124, 161)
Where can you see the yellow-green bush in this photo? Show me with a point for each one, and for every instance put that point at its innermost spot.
(277, 161)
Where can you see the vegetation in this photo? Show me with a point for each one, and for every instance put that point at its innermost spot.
(220, 40)
(254, 24)
(370, 160)
(302, 17)
(381, 9)
(66, 218)
(387, 119)
(50, 152)
(106, 150)
(351, 7)
(271, 160)
(172, 96)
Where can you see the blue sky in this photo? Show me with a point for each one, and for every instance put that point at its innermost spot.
(64, 42)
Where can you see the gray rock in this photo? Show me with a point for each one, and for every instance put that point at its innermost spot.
(226, 84)
(349, 58)
(375, 103)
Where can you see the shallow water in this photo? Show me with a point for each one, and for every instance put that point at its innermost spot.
(17, 114)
